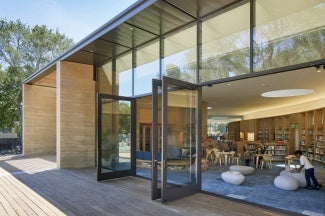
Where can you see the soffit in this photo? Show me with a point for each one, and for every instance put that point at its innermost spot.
(146, 25)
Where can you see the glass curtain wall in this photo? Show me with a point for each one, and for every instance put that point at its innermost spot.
(115, 77)
(288, 33)
(105, 81)
(180, 55)
(225, 44)
(124, 82)
(147, 61)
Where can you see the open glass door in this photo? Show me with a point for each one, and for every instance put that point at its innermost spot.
(156, 139)
(181, 139)
(116, 136)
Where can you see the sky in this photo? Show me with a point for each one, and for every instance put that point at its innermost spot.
(74, 18)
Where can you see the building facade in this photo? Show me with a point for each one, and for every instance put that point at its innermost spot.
(139, 80)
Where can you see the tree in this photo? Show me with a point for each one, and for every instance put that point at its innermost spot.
(23, 51)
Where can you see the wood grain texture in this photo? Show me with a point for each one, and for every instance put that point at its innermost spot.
(76, 192)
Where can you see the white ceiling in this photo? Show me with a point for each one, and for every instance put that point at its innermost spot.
(242, 97)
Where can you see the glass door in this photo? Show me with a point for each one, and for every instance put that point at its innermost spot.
(156, 139)
(181, 139)
(116, 136)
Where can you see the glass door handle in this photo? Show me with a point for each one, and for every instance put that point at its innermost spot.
(155, 163)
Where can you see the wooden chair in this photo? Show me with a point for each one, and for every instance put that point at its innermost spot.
(236, 159)
(267, 159)
(231, 156)
(219, 158)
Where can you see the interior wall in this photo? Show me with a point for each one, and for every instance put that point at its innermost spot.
(310, 105)
(75, 115)
(39, 125)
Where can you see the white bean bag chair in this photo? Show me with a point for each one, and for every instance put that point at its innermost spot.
(300, 177)
(245, 170)
(233, 177)
(286, 183)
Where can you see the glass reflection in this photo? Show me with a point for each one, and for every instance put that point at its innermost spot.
(180, 55)
(116, 129)
(124, 75)
(288, 33)
(181, 140)
(147, 68)
(225, 45)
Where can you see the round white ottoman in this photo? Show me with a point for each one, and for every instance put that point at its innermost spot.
(300, 177)
(245, 170)
(286, 183)
(233, 177)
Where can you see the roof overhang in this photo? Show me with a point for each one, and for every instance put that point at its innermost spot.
(142, 22)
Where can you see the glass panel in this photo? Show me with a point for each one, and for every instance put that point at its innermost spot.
(180, 55)
(124, 75)
(147, 68)
(105, 79)
(116, 135)
(225, 45)
(288, 32)
(181, 140)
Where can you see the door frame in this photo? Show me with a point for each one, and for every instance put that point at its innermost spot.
(155, 189)
(123, 173)
(176, 192)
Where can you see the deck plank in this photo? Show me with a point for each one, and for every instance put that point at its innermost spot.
(76, 192)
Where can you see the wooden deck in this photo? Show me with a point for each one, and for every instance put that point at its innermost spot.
(33, 186)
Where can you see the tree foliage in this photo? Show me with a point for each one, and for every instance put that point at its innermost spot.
(23, 51)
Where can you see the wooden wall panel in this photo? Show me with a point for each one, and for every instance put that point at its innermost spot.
(39, 125)
(75, 115)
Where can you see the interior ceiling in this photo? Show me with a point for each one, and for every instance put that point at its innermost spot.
(242, 97)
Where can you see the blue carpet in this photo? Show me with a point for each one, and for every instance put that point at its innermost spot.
(259, 188)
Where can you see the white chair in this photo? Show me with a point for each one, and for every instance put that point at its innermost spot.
(231, 155)
(219, 158)
(236, 159)
(267, 159)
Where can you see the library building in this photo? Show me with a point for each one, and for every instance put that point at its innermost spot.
(219, 97)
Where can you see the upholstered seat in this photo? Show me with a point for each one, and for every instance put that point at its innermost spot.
(233, 177)
(300, 177)
(286, 183)
(245, 170)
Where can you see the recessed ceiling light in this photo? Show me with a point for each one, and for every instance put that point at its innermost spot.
(209, 108)
(287, 93)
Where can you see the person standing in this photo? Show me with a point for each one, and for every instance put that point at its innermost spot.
(309, 170)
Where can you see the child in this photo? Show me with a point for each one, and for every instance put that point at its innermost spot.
(309, 170)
